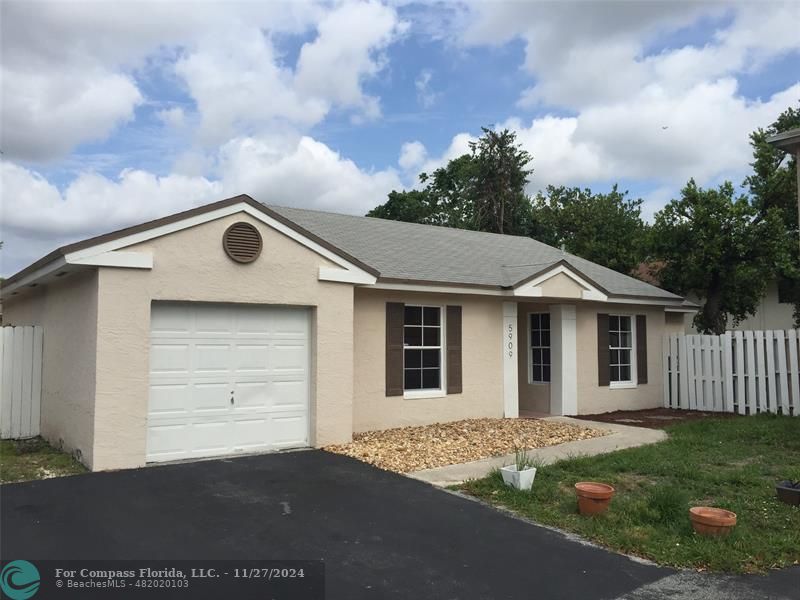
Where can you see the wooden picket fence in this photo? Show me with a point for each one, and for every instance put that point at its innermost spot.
(744, 372)
(20, 381)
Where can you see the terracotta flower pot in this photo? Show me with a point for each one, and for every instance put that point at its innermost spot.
(712, 521)
(593, 498)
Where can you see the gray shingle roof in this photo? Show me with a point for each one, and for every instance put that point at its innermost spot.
(426, 253)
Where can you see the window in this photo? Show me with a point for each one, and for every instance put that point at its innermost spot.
(422, 348)
(620, 344)
(539, 337)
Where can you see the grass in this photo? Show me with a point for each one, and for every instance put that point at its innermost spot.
(728, 463)
(25, 460)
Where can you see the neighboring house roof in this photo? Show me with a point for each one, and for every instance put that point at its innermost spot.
(399, 252)
(649, 271)
(409, 252)
(787, 140)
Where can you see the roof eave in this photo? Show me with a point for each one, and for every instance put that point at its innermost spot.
(788, 141)
(64, 251)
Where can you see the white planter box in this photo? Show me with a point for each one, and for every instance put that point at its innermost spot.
(522, 480)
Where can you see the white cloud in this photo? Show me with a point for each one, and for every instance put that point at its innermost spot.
(642, 110)
(302, 172)
(412, 155)
(654, 136)
(295, 171)
(69, 69)
(44, 115)
(346, 52)
(582, 54)
(238, 85)
(458, 146)
(425, 95)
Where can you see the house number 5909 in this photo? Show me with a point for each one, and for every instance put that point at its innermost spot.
(510, 342)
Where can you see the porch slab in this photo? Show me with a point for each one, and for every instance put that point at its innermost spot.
(618, 438)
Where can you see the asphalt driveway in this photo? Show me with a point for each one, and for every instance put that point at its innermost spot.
(381, 535)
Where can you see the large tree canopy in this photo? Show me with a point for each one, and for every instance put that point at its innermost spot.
(719, 248)
(604, 228)
(773, 185)
(483, 190)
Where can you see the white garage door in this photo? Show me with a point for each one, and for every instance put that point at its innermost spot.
(226, 378)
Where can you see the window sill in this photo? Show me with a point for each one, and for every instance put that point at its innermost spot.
(538, 383)
(418, 395)
(623, 385)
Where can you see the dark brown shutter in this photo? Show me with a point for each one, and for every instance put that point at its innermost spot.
(395, 315)
(453, 325)
(603, 354)
(641, 348)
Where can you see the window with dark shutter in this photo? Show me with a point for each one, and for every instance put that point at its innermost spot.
(422, 348)
(641, 348)
(395, 312)
(453, 349)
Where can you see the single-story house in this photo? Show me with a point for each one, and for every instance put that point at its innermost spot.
(238, 327)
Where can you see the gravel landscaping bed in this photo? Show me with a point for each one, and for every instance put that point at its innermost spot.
(409, 449)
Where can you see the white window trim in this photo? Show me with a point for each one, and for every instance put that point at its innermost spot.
(530, 349)
(633, 382)
(441, 391)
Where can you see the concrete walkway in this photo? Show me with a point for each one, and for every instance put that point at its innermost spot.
(620, 437)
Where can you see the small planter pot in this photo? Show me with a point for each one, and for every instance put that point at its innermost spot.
(789, 492)
(593, 498)
(710, 521)
(521, 480)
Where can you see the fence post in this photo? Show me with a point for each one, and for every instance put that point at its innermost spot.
(675, 393)
(727, 371)
(36, 389)
(794, 367)
(684, 373)
(772, 397)
(783, 372)
(665, 360)
(741, 393)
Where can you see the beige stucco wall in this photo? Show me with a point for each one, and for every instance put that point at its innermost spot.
(532, 396)
(482, 363)
(770, 314)
(593, 398)
(561, 286)
(190, 265)
(674, 322)
(67, 312)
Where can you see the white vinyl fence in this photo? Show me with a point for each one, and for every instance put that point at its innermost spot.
(745, 372)
(20, 381)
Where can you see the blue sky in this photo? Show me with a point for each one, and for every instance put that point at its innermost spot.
(142, 111)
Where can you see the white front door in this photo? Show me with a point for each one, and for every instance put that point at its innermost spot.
(227, 378)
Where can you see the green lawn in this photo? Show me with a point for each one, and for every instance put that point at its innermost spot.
(24, 460)
(729, 463)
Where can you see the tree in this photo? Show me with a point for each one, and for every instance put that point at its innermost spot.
(719, 248)
(499, 200)
(604, 228)
(773, 185)
(411, 206)
(483, 190)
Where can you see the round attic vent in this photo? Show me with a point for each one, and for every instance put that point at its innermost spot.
(242, 242)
